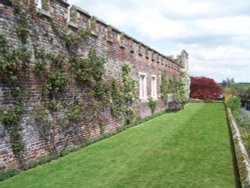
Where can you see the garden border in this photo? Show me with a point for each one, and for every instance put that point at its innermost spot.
(242, 157)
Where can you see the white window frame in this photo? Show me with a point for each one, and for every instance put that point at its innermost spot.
(38, 4)
(154, 87)
(143, 86)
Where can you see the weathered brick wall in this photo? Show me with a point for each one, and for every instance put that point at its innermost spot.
(117, 49)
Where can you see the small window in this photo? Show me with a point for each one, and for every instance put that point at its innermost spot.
(38, 4)
(153, 87)
(143, 85)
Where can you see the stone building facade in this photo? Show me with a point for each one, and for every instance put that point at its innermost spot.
(115, 46)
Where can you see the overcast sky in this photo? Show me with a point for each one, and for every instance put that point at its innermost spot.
(215, 33)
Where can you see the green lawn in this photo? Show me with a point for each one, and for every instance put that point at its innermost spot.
(190, 148)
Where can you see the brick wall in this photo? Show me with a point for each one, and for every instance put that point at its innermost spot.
(116, 47)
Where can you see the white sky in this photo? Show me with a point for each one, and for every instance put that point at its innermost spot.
(215, 33)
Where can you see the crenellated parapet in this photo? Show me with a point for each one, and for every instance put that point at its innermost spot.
(76, 18)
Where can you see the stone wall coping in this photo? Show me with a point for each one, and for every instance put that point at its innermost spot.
(117, 30)
(80, 10)
(65, 2)
(240, 152)
(99, 20)
(113, 28)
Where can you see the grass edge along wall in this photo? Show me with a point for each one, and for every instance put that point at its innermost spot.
(183, 149)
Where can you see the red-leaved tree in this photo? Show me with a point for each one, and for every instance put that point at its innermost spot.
(204, 88)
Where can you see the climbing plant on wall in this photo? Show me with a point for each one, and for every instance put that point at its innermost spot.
(57, 106)
(116, 96)
(14, 66)
(124, 96)
(128, 94)
(176, 89)
(52, 72)
(164, 87)
(184, 87)
(14, 71)
(89, 73)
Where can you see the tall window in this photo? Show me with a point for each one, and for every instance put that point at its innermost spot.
(38, 4)
(143, 85)
(153, 87)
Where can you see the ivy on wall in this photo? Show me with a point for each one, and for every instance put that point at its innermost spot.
(164, 87)
(52, 72)
(128, 94)
(14, 67)
(89, 73)
(176, 89)
(72, 40)
(184, 87)
(123, 97)
(23, 11)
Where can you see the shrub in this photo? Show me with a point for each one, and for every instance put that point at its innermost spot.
(33, 164)
(234, 104)
(243, 120)
(152, 105)
(4, 174)
(68, 150)
(44, 159)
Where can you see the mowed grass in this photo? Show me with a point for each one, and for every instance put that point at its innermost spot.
(190, 148)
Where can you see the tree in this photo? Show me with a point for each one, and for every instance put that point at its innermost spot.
(224, 83)
(204, 88)
(247, 94)
(228, 82)
(228, 93)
